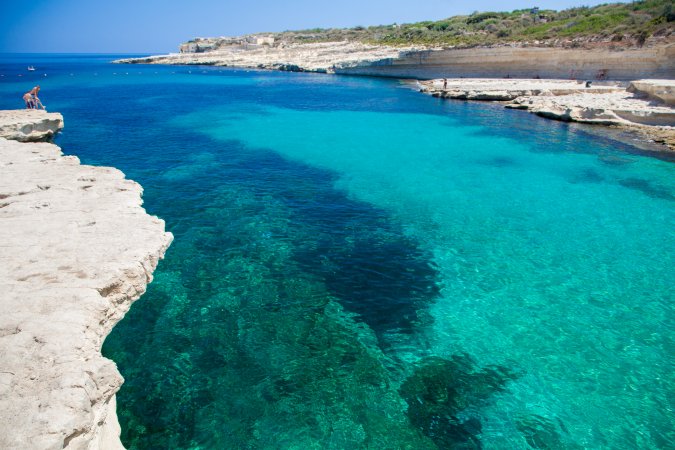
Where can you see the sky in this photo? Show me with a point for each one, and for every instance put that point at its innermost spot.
(159, 26)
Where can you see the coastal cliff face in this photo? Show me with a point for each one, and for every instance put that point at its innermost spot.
(480, 62)
(78, 249)
(526, 62)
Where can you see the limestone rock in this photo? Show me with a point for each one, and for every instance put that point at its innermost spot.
(662, 90)
(29, 125)
(321, 57)
(525, 62)
(505, 89)
(607, 103)
(517, 61)
(610, 108)
(77, 250)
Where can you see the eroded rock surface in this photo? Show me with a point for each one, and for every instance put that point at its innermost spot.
(494, 89)
(662, 90)
(29, 125)
(611, 108)
(526, 62)
(653, 120)
(517, 60)
(599, 104)
(77, 249)
(315, 57)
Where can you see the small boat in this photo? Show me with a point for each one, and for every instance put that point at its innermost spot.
(31, 68)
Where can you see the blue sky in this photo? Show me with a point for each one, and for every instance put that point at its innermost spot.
(156, 26)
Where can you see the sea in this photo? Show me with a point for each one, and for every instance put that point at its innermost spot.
(360, 266)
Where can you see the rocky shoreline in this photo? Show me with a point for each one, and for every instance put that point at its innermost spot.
(77, 250)
(644, 106)
(326, 57)
(515, 61)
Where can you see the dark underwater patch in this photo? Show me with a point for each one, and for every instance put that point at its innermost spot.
(441, 393)
(242, 348)
(501, 161)
(647, 188)
(243, 344)
(542, 433)
(615, 159)
(364, 258)
(586, 175)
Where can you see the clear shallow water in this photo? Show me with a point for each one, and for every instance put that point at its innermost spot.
(357, 265)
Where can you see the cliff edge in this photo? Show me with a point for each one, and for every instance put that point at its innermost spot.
(29, 125)
(77, 250)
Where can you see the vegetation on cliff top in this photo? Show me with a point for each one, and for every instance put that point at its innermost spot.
(621, 23)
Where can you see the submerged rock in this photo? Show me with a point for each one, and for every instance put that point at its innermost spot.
(440, 394)
(542, 433)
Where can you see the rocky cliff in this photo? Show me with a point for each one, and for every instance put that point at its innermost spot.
(481, 62)
(525, 62)
(77, 250)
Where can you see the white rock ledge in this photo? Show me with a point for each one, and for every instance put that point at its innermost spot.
(76, 249)
(607, 104)
(662, 90)
(29, 125)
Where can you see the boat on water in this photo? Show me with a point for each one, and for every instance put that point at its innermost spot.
(31, 68)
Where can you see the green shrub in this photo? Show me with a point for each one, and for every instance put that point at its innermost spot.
(441, 26)
(478, 18)
(653, 17)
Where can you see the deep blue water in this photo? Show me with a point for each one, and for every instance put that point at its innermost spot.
(357, 265)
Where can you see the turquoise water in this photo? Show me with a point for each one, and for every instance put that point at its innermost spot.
(357, 265)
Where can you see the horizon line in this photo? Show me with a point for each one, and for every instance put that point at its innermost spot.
(80, 53)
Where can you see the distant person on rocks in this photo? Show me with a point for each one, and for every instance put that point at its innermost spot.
(445, 83)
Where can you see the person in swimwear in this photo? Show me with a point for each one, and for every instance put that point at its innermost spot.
(34, 92)
(37, 104)
(28, 98)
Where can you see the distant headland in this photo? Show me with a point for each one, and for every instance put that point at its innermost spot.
(615, 42)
